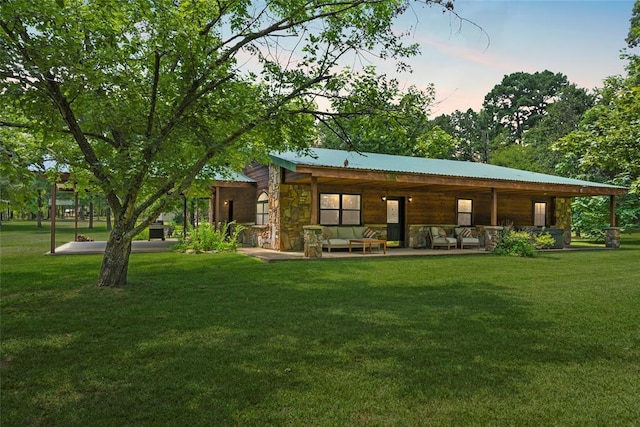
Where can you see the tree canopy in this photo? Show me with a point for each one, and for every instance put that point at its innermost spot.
(376, 116)
(144, 94)
(521, 99)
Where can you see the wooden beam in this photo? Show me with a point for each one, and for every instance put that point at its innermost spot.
(494, 207)
(212, 199)
(314, 201)
(612, 210)
(75, 211)
(54, 190)
(217, 208)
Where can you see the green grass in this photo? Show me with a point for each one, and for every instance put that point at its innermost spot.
(227, 340)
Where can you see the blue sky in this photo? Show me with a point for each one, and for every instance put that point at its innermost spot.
(581, 39)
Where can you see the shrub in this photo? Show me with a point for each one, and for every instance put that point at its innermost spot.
(515, 243)
(543, 240)
(206, 237)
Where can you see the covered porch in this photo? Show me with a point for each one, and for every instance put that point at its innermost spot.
(402, 195)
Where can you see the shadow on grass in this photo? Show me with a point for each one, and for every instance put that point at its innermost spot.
(239, 342)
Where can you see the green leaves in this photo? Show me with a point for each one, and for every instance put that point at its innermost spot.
(521, 99)
(373, 114)
(144, 94)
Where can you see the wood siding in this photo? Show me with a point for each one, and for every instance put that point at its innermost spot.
(440, 207)
(259, 173)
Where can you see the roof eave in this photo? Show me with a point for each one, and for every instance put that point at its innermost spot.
(570, 190)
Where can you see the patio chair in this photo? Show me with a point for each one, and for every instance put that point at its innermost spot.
(467, 236)
(438, 238)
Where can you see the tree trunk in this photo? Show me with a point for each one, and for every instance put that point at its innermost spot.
(90, 215)
(115, 263)
(108, 219)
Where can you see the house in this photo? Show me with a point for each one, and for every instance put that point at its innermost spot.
(397, 195)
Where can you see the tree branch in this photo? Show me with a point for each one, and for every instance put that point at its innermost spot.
(154, 92)
(54, 92)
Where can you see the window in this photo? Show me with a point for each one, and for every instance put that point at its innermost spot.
(539, 214)
(464, 211)
(339, 209)
(262, 211)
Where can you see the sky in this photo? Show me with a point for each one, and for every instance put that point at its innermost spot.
(465, 60)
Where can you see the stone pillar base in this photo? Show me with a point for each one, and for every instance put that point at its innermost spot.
(312, 241)
(492, 237)
(612, 237)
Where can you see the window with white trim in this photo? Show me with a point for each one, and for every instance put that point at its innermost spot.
(464, 211)
(262, 209)
(340, 209)
(539, 214)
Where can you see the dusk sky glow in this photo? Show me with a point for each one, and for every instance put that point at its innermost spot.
(581, 39)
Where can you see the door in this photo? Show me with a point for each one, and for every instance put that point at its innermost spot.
(230, 210)
(395, 221)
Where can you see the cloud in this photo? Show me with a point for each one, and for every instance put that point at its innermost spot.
(475, 55)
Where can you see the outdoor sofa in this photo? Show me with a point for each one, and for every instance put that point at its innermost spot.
(337, 237)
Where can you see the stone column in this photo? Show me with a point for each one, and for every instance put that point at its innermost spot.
(612, 237)
(492, 237)
(563, 218)
(312, 241)
(274, 206)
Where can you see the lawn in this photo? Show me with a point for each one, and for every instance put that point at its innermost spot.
(228, 340)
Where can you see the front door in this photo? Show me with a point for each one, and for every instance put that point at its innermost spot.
(395, 221)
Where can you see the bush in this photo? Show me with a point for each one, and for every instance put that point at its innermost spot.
(515, 243)
(543, 240)
(205, 237)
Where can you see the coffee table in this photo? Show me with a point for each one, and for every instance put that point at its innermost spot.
(368, 242)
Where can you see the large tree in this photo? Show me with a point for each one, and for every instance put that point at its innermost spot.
(606, 147)
(474, 133)
(521, 99)
(149, 92)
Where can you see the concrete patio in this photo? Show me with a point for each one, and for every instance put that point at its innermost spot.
(269, 255)
(81, 248)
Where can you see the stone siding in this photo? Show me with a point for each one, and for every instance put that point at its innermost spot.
(313, 241)
(295, 212)
(275, 174)
(612, 237)
(563, 218)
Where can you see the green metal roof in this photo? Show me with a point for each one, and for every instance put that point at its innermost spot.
(232, 176)
(322, 157)
(223, 175)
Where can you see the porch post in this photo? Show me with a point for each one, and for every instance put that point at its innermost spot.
(612, 233)
(54, 190)
(75, 210)
(217, 208)
(494, 207)
(612, 211)
(314, 200)
(210, 213)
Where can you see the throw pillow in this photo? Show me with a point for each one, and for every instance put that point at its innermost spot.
(326, 234)
(466, 232)
(442, 232)
(369, 233)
